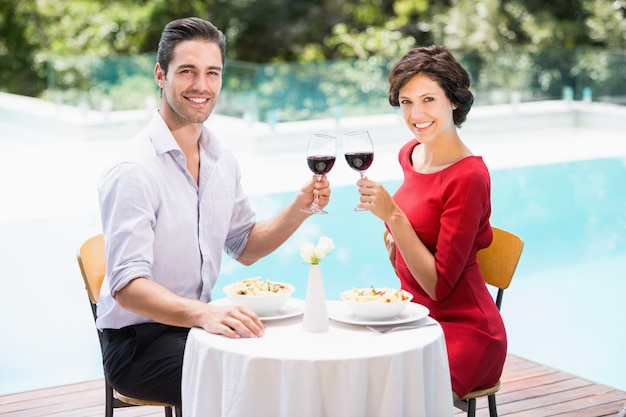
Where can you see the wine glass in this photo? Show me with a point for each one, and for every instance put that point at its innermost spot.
(359, 152)
(320, 156)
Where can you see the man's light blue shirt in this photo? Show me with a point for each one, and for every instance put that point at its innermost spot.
(159, 224)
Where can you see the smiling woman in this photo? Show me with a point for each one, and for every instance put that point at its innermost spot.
(439, 217)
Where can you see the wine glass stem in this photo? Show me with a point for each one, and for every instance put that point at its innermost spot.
(362, 174)
(319, 177)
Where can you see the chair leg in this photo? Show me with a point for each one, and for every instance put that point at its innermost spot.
(108, 400)
(178, 411)
(471, 407)
(168, 411)
(493, 411)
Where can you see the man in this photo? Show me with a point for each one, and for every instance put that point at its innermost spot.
(168, 211)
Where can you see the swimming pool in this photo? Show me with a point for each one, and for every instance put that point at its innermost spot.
(563, 308)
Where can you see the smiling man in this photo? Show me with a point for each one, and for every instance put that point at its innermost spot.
(169, 209)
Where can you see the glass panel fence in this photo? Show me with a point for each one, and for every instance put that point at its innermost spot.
(299, 91)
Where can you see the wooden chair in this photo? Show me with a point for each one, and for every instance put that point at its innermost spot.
(92, 265)
(497, 263)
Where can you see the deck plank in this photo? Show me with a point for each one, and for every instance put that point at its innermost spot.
(528, 389)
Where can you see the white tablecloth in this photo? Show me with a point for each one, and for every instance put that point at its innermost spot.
(348, 371)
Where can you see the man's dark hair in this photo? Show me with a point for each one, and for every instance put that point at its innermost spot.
(186, 29)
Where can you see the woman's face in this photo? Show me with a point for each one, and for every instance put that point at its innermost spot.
(425, 108)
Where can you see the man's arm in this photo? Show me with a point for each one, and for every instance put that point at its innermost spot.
(151, 300)
(268, 235)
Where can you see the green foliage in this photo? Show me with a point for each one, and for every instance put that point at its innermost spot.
(91, 27)
(606, 24)
(473, 25)
(20, 72)
(66, 49)
(372, 42)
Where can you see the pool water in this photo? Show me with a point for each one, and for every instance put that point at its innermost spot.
(564, 306)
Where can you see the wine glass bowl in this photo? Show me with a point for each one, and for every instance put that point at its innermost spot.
(360, 161)
(321, 155)
(359, 152)
(320, 164)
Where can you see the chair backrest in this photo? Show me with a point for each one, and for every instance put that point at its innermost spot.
(92, 265)
(91, 261)
(499, 261)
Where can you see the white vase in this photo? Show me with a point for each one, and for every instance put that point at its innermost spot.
(315, 319)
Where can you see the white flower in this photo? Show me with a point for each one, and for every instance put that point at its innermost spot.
(314, 254)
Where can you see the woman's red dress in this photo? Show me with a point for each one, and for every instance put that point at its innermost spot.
(449, 211)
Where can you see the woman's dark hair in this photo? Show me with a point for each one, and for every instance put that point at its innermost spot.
(438, 64)
(189, 28)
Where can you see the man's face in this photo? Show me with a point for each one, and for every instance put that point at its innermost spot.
(192, 84)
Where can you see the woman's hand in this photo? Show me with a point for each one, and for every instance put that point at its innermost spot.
(375, 198)
(390, 244)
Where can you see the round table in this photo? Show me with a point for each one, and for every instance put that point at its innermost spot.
(349, 371)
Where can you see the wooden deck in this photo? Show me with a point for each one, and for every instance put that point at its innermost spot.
(528, 390)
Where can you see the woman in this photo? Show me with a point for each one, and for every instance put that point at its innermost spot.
(439, 217)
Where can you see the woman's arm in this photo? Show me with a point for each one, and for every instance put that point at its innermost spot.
(419, 260)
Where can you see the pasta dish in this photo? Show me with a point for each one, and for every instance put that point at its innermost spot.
(375, 295)
(257, 287)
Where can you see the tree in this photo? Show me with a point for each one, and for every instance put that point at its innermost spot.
(35, 33)
(606, 22)
(20, 72)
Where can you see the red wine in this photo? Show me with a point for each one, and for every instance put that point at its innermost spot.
(320, 164)
(359, 160)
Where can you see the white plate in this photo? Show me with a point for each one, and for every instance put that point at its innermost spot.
(292, 308)
(338, 311)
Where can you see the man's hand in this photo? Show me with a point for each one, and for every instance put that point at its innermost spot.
(233, 321)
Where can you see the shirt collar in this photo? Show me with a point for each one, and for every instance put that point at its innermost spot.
(163, 140)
